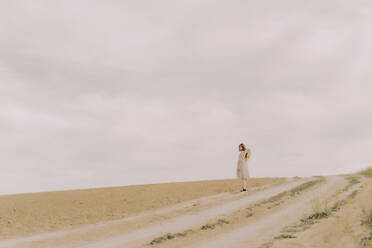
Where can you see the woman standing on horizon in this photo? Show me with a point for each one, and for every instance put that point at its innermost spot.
(242, 166)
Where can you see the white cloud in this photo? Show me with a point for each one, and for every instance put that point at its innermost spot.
(107, 93)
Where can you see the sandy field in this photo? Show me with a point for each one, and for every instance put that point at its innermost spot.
(331, 211)
(25, 214)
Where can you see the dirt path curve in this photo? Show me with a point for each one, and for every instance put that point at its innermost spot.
(343, 228)
(265, 228)
(183, 207)
(106, 235)
(184, 222)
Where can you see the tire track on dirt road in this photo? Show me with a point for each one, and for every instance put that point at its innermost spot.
(265, 228)
(107, 236)
(142, 236)
(42, 240)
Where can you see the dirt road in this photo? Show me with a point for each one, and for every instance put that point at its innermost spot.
(272, 215)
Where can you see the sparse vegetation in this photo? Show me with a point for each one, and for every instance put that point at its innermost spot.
(340, 199)
(367, 221)
(169, 236)
(353, 180)
(219, 222)
(267, 244)
(306, 222)
(291, 192)
(367, 172)
(249, 214)
(274, 205)
(321, 211)
(285, 236)
(275, 198)
(303, 186)
(297, 228)
(319, 215)
(353, 194)
(326, 212)
(338, 205)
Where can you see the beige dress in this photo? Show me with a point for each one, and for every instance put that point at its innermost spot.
(243, 166)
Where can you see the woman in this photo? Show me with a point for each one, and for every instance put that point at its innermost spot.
(242, 166)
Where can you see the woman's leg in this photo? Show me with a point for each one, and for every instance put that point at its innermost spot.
(244, 184)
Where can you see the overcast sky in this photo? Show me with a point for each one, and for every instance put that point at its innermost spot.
(102, 93)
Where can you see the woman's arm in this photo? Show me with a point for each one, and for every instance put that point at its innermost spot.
(247, 154)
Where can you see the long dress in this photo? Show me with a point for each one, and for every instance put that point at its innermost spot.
(242, 164)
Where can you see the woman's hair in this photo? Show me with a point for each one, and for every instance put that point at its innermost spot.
(242, 145)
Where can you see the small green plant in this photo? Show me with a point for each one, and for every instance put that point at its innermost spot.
(291, 192)
(169, 236)
(298, 228)
(207, 226)
(249, 214)
(367, 241)
(307, 221)
(338, 205)
(219, 222)
(353, 194)
(319, 215)
(303, 186)
(353, 180)
(367, 220)
(285, 236)
(275, 198)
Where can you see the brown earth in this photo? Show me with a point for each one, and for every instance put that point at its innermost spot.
(25, 214)
(331, 211)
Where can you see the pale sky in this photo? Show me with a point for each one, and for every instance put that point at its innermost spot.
(108, 93)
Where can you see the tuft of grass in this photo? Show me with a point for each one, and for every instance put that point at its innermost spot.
(367, 241)
(208, 226)
(367, 172)
(307, 221)
(271, 242)
(353, 194)
(285, 236)
(303, 186)
(219, 222)
(275, 198)
(337, 205)
(322, 211)
(169, 236)
(297, 228)
(249, 214)
(316, 215)
(319, 215)
(367, 221)
(353, 180)
(291, 192)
